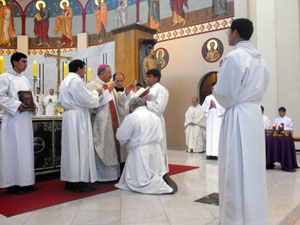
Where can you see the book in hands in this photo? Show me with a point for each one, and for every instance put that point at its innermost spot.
(26, 98)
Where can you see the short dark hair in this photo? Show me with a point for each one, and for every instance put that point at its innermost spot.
(244, 27)
(155, 73)
(262, 109)
(16, 57)
(115, 74)
(139, 84)
(213, 84)
(75, 64)
(102, 70)
(282, 109)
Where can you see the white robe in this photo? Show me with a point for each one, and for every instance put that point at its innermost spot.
(121, 14)
(157, 101)
(242, 82)
(16, 150)
(195, 135)
(214, 117)
(108, 167)
(50, 106)
(77, 149)
(142, 133)
(40, 104)
(267, 124)
(287, 121)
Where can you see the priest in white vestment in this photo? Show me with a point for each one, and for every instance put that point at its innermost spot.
(195, 127)
(16, 150)
(242, 81)
(50, 102)
(105, 121)
(267, 124)
(287, 121)
(156, 101)
(145, 169)
(40, 102)
(214, 115)
(78, 165)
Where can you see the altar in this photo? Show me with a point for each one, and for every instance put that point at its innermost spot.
(47, 143)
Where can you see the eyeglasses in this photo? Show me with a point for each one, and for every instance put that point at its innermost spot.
(228, 32)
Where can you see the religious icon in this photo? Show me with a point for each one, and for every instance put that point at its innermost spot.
(154, 14)
(63, 23)
(162, 57)
(6, 23)
(121, 13)
(212, 50)
(178, 15)
(101, 19)
(41, 24)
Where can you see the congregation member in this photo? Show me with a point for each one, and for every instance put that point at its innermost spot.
(50, 102)
(16, 150)
(195, 127)
(138, 86)
(267, 124)
(242, 81)
(40, 102)
(145, 170)
(156, 101)
(105, 121)
(78, 165)
(284, 119)
(214, 115)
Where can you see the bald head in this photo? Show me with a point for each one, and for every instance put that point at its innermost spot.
(195, 101)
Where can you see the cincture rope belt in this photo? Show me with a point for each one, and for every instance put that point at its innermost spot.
(115, 124)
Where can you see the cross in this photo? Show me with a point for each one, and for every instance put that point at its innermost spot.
(58, 57)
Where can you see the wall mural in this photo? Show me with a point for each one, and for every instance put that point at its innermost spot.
(46, 21)
(212, 50)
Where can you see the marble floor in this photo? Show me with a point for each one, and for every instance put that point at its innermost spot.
(127, 208)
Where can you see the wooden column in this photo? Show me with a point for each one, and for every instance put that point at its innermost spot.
(127, 49)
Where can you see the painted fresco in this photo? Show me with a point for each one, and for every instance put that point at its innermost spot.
(49, 20)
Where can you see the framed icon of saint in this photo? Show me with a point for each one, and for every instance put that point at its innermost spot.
(162, 57)
(212, 50)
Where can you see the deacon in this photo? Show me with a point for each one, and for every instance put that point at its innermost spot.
(40, 102)
(105, 124)
(267, 124)
(287, 121)
(214, 116)
(78, 166)
(195, 127)
(50, 102)
(156, 102)
(242, 81)
(16, 150)
(145, 170)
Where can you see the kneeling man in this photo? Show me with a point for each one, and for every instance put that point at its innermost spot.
(145, 170)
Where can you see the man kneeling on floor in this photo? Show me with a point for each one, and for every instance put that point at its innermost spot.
(145, 170)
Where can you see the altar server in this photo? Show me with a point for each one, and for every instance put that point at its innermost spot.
(287, 121)
(16, 150)
(195, 127)
(214, 115)
(242, 82)
(78, 166)
(144, 171)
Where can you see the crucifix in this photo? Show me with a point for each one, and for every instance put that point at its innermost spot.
(58, 57)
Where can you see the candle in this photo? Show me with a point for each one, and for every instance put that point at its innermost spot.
(34, 68)
(110, 81)
(1, 64)
(65, 70)
(89, 74)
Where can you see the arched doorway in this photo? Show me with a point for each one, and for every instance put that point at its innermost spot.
(205, 85)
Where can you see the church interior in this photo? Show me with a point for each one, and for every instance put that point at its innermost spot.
(189, 45)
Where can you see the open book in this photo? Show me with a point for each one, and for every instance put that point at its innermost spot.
(141, 93)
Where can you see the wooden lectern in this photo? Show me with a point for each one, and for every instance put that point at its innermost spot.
(127, 50)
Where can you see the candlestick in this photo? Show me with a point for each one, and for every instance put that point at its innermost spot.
(1, 64)
(89, 74)
(65, 70)
(34, 68)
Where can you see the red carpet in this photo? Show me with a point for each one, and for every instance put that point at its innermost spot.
(52, 193)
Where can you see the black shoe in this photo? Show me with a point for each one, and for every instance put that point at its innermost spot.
(209, 157)
(29, 188)
(171, 183)
(68, 186)
(215, 157)
(16, 190)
